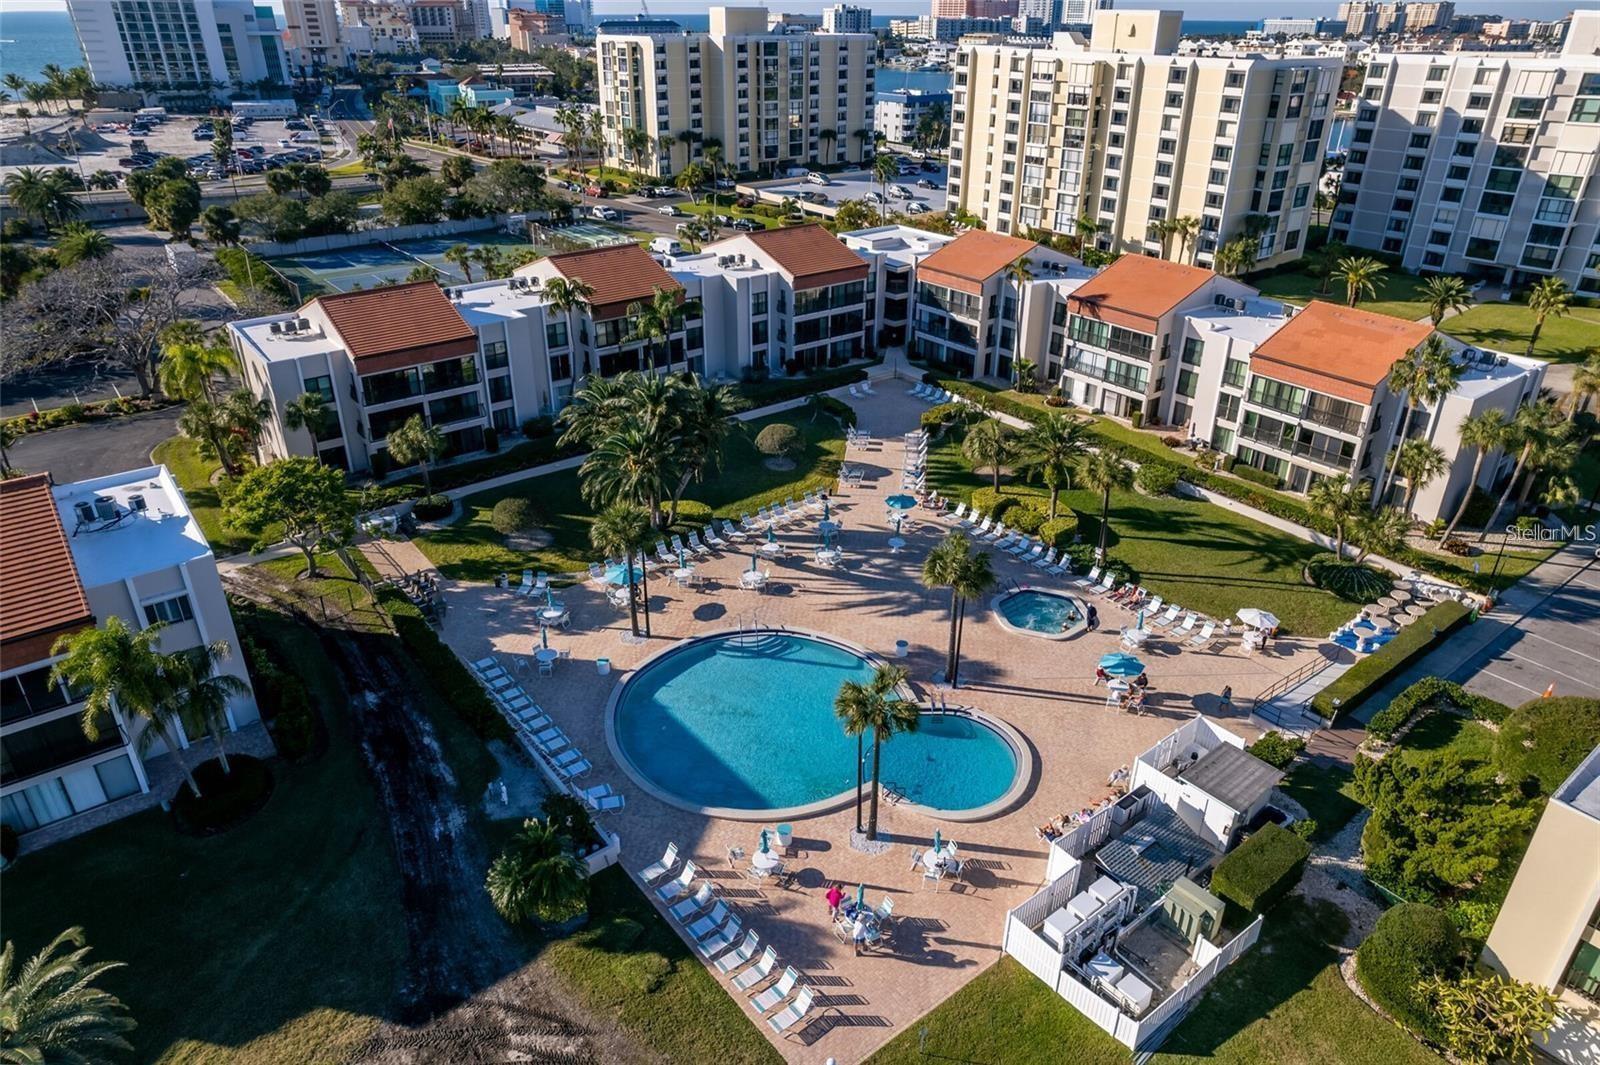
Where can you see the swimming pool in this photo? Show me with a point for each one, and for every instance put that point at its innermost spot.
(742, 725)
(1041, 612)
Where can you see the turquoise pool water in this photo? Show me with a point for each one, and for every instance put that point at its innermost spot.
(1046, 612)
(749, 725)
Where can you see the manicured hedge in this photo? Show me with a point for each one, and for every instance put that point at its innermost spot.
(460, 689)
(942, 414)
(1276, 749)
(1155, 479)
(1062, 531)
(1261, 870)
(1373, 671)
(778, 389)
(1545, 739)
(1409, 943)
(1386, 722)
(841, 411)
(1250, 473)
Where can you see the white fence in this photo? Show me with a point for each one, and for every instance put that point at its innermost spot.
(1159, 1022)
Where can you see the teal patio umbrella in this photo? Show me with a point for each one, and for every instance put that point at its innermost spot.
(1121, 665)
(861, 896)
(544, 637)
(763, 841)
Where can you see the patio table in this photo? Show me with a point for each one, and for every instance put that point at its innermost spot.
(683, 574)
(1400, 596)
(1135, 637)
(552, 615)
(895, 544)
(765, 863)
(772, 550)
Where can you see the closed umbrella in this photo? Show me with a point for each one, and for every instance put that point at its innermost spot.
(763, 841)
(825, 510)
(1121, 665)
(772, 536)
(1258, 619)
(1139, 624)
(544, 637)
(681, 562)
(752, 563)
(549, 597)
(938, 841)
(861, 896)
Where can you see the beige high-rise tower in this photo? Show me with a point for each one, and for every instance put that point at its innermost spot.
(1112, 137)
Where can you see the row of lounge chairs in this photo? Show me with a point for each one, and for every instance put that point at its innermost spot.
(717, 934)
(862, 390)
(930, 394)
(540, 737)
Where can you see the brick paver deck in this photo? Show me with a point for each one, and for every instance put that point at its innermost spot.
(1045, 689)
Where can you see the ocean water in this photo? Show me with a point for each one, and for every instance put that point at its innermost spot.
(30, 40)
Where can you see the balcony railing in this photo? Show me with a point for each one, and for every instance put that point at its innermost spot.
(1284, 440)
(1111, 375)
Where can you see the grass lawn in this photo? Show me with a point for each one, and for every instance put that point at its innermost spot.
(275, 941)
(1506, 327)
(1441, 731)
(470, 549)
(335, 589)
(1193, 553)
(629, 966)
(1326, 791)
(193, 473)
(1399, 295)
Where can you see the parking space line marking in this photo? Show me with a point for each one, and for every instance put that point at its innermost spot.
(1540, 665)
(1562, 646)
(1506, 680)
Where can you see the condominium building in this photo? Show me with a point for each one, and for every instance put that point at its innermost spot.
(312, 36)
(793, 22)
(1127, 135)
(892, 253)
(770, 99)
(846, 18)
(123, 546)
(1291, 27)
(377, 27)
(443, 21)
(1482, 164)
(997, 9)
(179, 48)
(897, 114)
(1548, 931)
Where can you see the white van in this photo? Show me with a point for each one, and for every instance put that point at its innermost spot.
(666, 246)
(604, 214)
(817, 178)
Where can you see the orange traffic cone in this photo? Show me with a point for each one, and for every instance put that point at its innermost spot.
(1548, 692)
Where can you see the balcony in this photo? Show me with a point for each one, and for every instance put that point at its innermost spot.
(1111, 375)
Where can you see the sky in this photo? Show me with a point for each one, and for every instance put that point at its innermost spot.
(1194, 9)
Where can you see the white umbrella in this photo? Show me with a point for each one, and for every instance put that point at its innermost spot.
(1258, 619)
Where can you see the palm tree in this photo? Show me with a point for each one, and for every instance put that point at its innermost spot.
(1051, 449)
(1336, 499)
(988, 444)
(121, 669)
(245, 415)
(79, 242)
(1550, 298)
(537, 875)
(1102, 472)
(190, 360)
(1419, 462)
(622, 529)
(1444, 295)
(1485, 431)
(201, 692)
(51, 1010)
(652, 325)
(1323, 264)
(1085, 229)
(1322, 205)
(563, 295)
(689, 179)
(876, 707)
(1234, 257)
(1383, 530)
(1585, 384)
(1361, 275)
(1424, 375)
(951, 565)
(1186, 228)
(41, 195)
(632, 462)
(460, 256)
(711, 152)
(310, 412)
(205, 422)
(416, 443)
(705, 420)
(885, 168)
(828, 138)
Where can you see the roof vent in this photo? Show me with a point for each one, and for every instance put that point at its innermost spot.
(105, 508)
(137, 504)
(277, 327)
(85, 512)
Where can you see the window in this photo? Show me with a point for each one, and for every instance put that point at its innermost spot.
(1526, 107)
(30, 693)
(1482, 248)
(758, 332)
(1192, 350)
(1221, 153)
(758, 303)
(494, 354)
(555, 334)
(169, 611)
(1496, 203)
(1228, 407)
(1188, 383)
(322, 386)
(1233, 373)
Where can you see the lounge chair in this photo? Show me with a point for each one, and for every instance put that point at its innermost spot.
(1187, 627)
(1023, 547)
(1087, 582)
(700, 547)
(720, 941)
(757, 972)
(678, 886)
(663, 554)
(679, 547)
(710, 922)
(853, 393)
(917, 390)
(527, 583)
(566, 758)
(733, 531)
(1107, 582)
(792, 1014)
(1203, 640)
(866, 388)
(885, 910)
(657, 870)
(483, 664)
(1005, 542)
(1062, 567)
(768, 1000)
(750, 524)
(1166, 619)
(959, 515)
(1153, 605)
(1044, 561)
(608, 802)
(741, 954)
(685, 909)
(996, 534)
(576, 769)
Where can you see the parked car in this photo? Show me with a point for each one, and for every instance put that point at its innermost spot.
(605, 214)
(670, 210)
(107, 127)
(204, 133)
(815, 197)
(817, 178)
(746, 225)
(916, 207)
(900, 192)
(725, 183)
(926, 183)
(745, 202)
(597, 191)
(666, 190)
(929, 166)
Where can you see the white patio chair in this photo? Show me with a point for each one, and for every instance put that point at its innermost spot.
(678, 886)
(757, 972)
(1187, 627)
(1087, 581)
(741, 954)
(712, 540)
(685, 910)
(721, 940)
(656, 870)
(1203, 640)
(527, 583)
(769, 999)
(1107, 582)
(703, 926)
(1166, 619)
(1046, 560)
(786, 1020)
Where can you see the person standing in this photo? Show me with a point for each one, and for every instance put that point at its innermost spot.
(835, 898)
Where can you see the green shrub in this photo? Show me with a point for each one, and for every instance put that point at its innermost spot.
(1136, 419)
(534, 428)
(692, 515)
(779, 440)
(1409, 943)
(1060, 531)
(435, 660)
(1083, 560)
(283, 699)
(1386, 722)
(243, 268)
(944, 414)
(1305, 828)
(1473, 918)
(1261, 870)
(514, 514)
(1156, 480)
(1373, 671)
(1545, 739)
(772, 390)
(1351, 581)
(1250, 473)
(991, 503)
(432, 508)
(1276, 749)
(843, 412)
(1025, 519)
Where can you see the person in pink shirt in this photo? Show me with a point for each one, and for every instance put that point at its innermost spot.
(835, 897)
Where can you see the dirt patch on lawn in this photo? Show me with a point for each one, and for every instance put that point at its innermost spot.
(530, 540)
(780, 465)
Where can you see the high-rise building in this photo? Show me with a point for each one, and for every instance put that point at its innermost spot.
(377, 27)
(1080, 12)
(443, 21)
(771, 100)
(1124, 139)
(312, 36)
(529, 29)
(1291, 27)
(579, 15)
(898, 113)
(1482, 164)
(179, 47)
(846, 18)
(793, 22)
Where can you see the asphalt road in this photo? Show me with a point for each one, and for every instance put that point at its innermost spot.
(95, 449)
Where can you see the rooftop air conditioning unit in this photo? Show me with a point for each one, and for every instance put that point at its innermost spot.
(84, 511)
(1500, 360)
(137, 504)
(277, 327)
(105, 508)
(304, 324)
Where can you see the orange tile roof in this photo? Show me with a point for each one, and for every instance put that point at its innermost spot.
(973, 258)
(619, 274)
(1339, 351)
(1136, 290)
(41, 596)
(810, 254)
(398, 325)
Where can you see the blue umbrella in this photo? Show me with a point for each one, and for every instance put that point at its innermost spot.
(1121, 665)
(825, 510)
(681, 562)
(544, 637)
(763, 841)
(901, 502)
(619, 574)
(938, 841)
(1140, 623)
(772, 537)
(861, 896)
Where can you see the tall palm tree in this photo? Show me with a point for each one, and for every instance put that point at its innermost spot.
(1186, 228)
(885, 168)
(1419, 462)
(1585, 384)
(952, 565)
(1361, 275)
(828, 138)
(704, 421)
(1484, 432)
(632, 462)
(537, 875)
(1019, 272)
(988, 444)
(1104, 472)
(1322, 205)
(876, 707)
(204, 422)
(51, 1010)
(711, 152)
(245, 416)
(460, 256)
(621, 529)
(416, 443)
(1051, 450)
(1341, 502)
(201, 692)
(190, 361)
(653, 322)
(121, 669)
(1444, 295)
(1085, 229)
(308, 411)
(564, 295)
(1323, 264)
(1550, 298)
(1424, 376)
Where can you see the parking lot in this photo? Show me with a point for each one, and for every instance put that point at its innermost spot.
(103, 148)
(1557, 642)
(859, 185)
